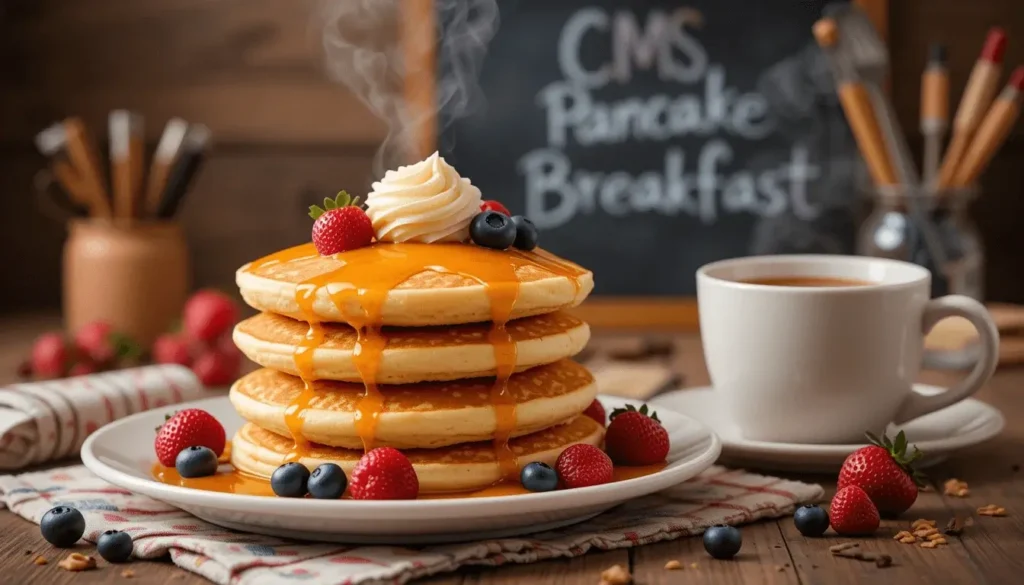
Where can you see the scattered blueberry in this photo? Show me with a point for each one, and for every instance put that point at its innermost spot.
(115, 546)
(62, 526)
(811, 520)
(722, 542)
(196, 461)
(327, 482)
(539, 477)
(526, 233)
(290, 480)
(492, 229)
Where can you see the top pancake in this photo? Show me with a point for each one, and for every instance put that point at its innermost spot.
(413, 284)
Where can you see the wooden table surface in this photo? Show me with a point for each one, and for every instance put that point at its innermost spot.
(989, 551)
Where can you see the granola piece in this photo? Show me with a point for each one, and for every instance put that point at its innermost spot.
(40, 560)
(905, 537)
(929, 544)
(956, 488)
(673, 565)
(127, 573)
(616, 575)
(77, 562)
(922, 522)
(992, 510)
(936, 536)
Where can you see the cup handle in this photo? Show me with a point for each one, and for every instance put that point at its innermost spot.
(956, 306)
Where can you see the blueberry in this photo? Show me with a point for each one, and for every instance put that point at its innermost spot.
(290, 480)
(811, 520)
(115, 546)
(196, 461)
(526, 233)
(492, 229)
(327, 482)
(62, 526)
(722, 542)
(538, 477)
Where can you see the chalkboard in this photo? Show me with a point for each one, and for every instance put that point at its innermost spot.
(646, 138)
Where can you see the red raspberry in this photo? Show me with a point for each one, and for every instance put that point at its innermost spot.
(208, 314)
(492, 205)
(340, 225)
(171, 349)
(583, 465)
(596, 412)
(188, 428)
(49, 355)
(384, 474)
(636, 438)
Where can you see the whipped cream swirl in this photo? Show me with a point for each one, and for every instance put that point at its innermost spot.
(424, 202)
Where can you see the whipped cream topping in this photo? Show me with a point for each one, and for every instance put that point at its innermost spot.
(423, 202)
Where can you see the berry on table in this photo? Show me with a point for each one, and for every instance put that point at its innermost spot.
(492, 205)
(526, 233)
(538, 477)
(62, 526)
(188, 428)
(115, 546)
(290, 480)
(492, 229)
(596, 412)
(49, 355)
(196, 461)
(327, 482)
(172, 349)
(811, 520)
(722, 542)
(208, 314)
(340, 225)
(583, 465)
(852, 513)
(82, 368)
(215, 367)
(636, 437)
(95, 341)
(884, 470)
(384, 473)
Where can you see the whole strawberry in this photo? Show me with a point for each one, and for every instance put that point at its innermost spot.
(96, 341)
(635, 437)
(188, 428)
(340, 225)
(384, 473)
(208, 314)
(583, 465)
(852, 513)
(885, 472)
(596, 412)
(50, 356)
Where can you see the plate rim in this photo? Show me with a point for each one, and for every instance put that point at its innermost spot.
(609, 493)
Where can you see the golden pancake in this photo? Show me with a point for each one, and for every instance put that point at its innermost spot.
(412, 284)
(465, 467)
(423, 415)
(411, 354)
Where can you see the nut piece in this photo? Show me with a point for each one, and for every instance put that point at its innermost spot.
(956, 488)
(925, 532)
(905, 537)
(673, 565)
(127, 573)
(616, 575)
(922, 522)
(929, 544)
(936, 536)
(992, 510)
(40, 560)
(77, 562)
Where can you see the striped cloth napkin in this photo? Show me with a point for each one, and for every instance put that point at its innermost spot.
(718, 496)
(48, 421)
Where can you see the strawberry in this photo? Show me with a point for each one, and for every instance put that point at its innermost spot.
(852, 512)
(635, 437)
(340, 225)
(885, 471)
(384, 474)
(596, 412)
(50, 354)
(171, 349)
(583, 465)
(83, 368)
(208, 314)
(95, 341)
(492, 205)
(215, 367)
(188, 428)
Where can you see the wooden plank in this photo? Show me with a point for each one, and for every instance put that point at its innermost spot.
(762, 559)
(585, 570)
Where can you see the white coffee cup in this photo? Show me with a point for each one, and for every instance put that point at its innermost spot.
(824, 364)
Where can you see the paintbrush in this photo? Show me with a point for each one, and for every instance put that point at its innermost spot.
(934, 109)
(856, 104)
(85, 158)
(163, 159)
(992, 131)
(126, 161)
(193, 149)
(52, 143)
(978, 94)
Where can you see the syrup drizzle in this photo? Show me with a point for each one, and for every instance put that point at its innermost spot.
(359, 288)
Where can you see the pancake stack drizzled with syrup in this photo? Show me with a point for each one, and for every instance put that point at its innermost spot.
(459, 355)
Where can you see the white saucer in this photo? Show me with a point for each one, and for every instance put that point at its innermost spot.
(122, 454)
(937, 435)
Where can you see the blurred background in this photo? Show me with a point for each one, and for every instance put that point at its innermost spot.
(285, 134)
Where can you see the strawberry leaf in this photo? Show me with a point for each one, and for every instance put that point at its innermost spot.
(315, 211)
(126, 348)
(342, 199)
(898, 451)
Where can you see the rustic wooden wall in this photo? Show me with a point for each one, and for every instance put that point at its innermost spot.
(285, 135)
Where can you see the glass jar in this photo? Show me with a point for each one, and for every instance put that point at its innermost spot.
(932, 230)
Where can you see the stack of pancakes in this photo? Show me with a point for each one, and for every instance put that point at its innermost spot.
(455, 354)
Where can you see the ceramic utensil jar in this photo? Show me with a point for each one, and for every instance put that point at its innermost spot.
(134, 276)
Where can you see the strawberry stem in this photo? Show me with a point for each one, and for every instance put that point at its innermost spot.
(630, 408)
(898, 451)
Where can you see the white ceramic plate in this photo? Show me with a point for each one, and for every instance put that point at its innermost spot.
(937, 434)
(122, 454)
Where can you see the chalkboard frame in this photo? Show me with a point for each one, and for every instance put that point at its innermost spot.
(417, 24)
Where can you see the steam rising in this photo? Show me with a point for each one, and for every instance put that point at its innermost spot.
(363, 49)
